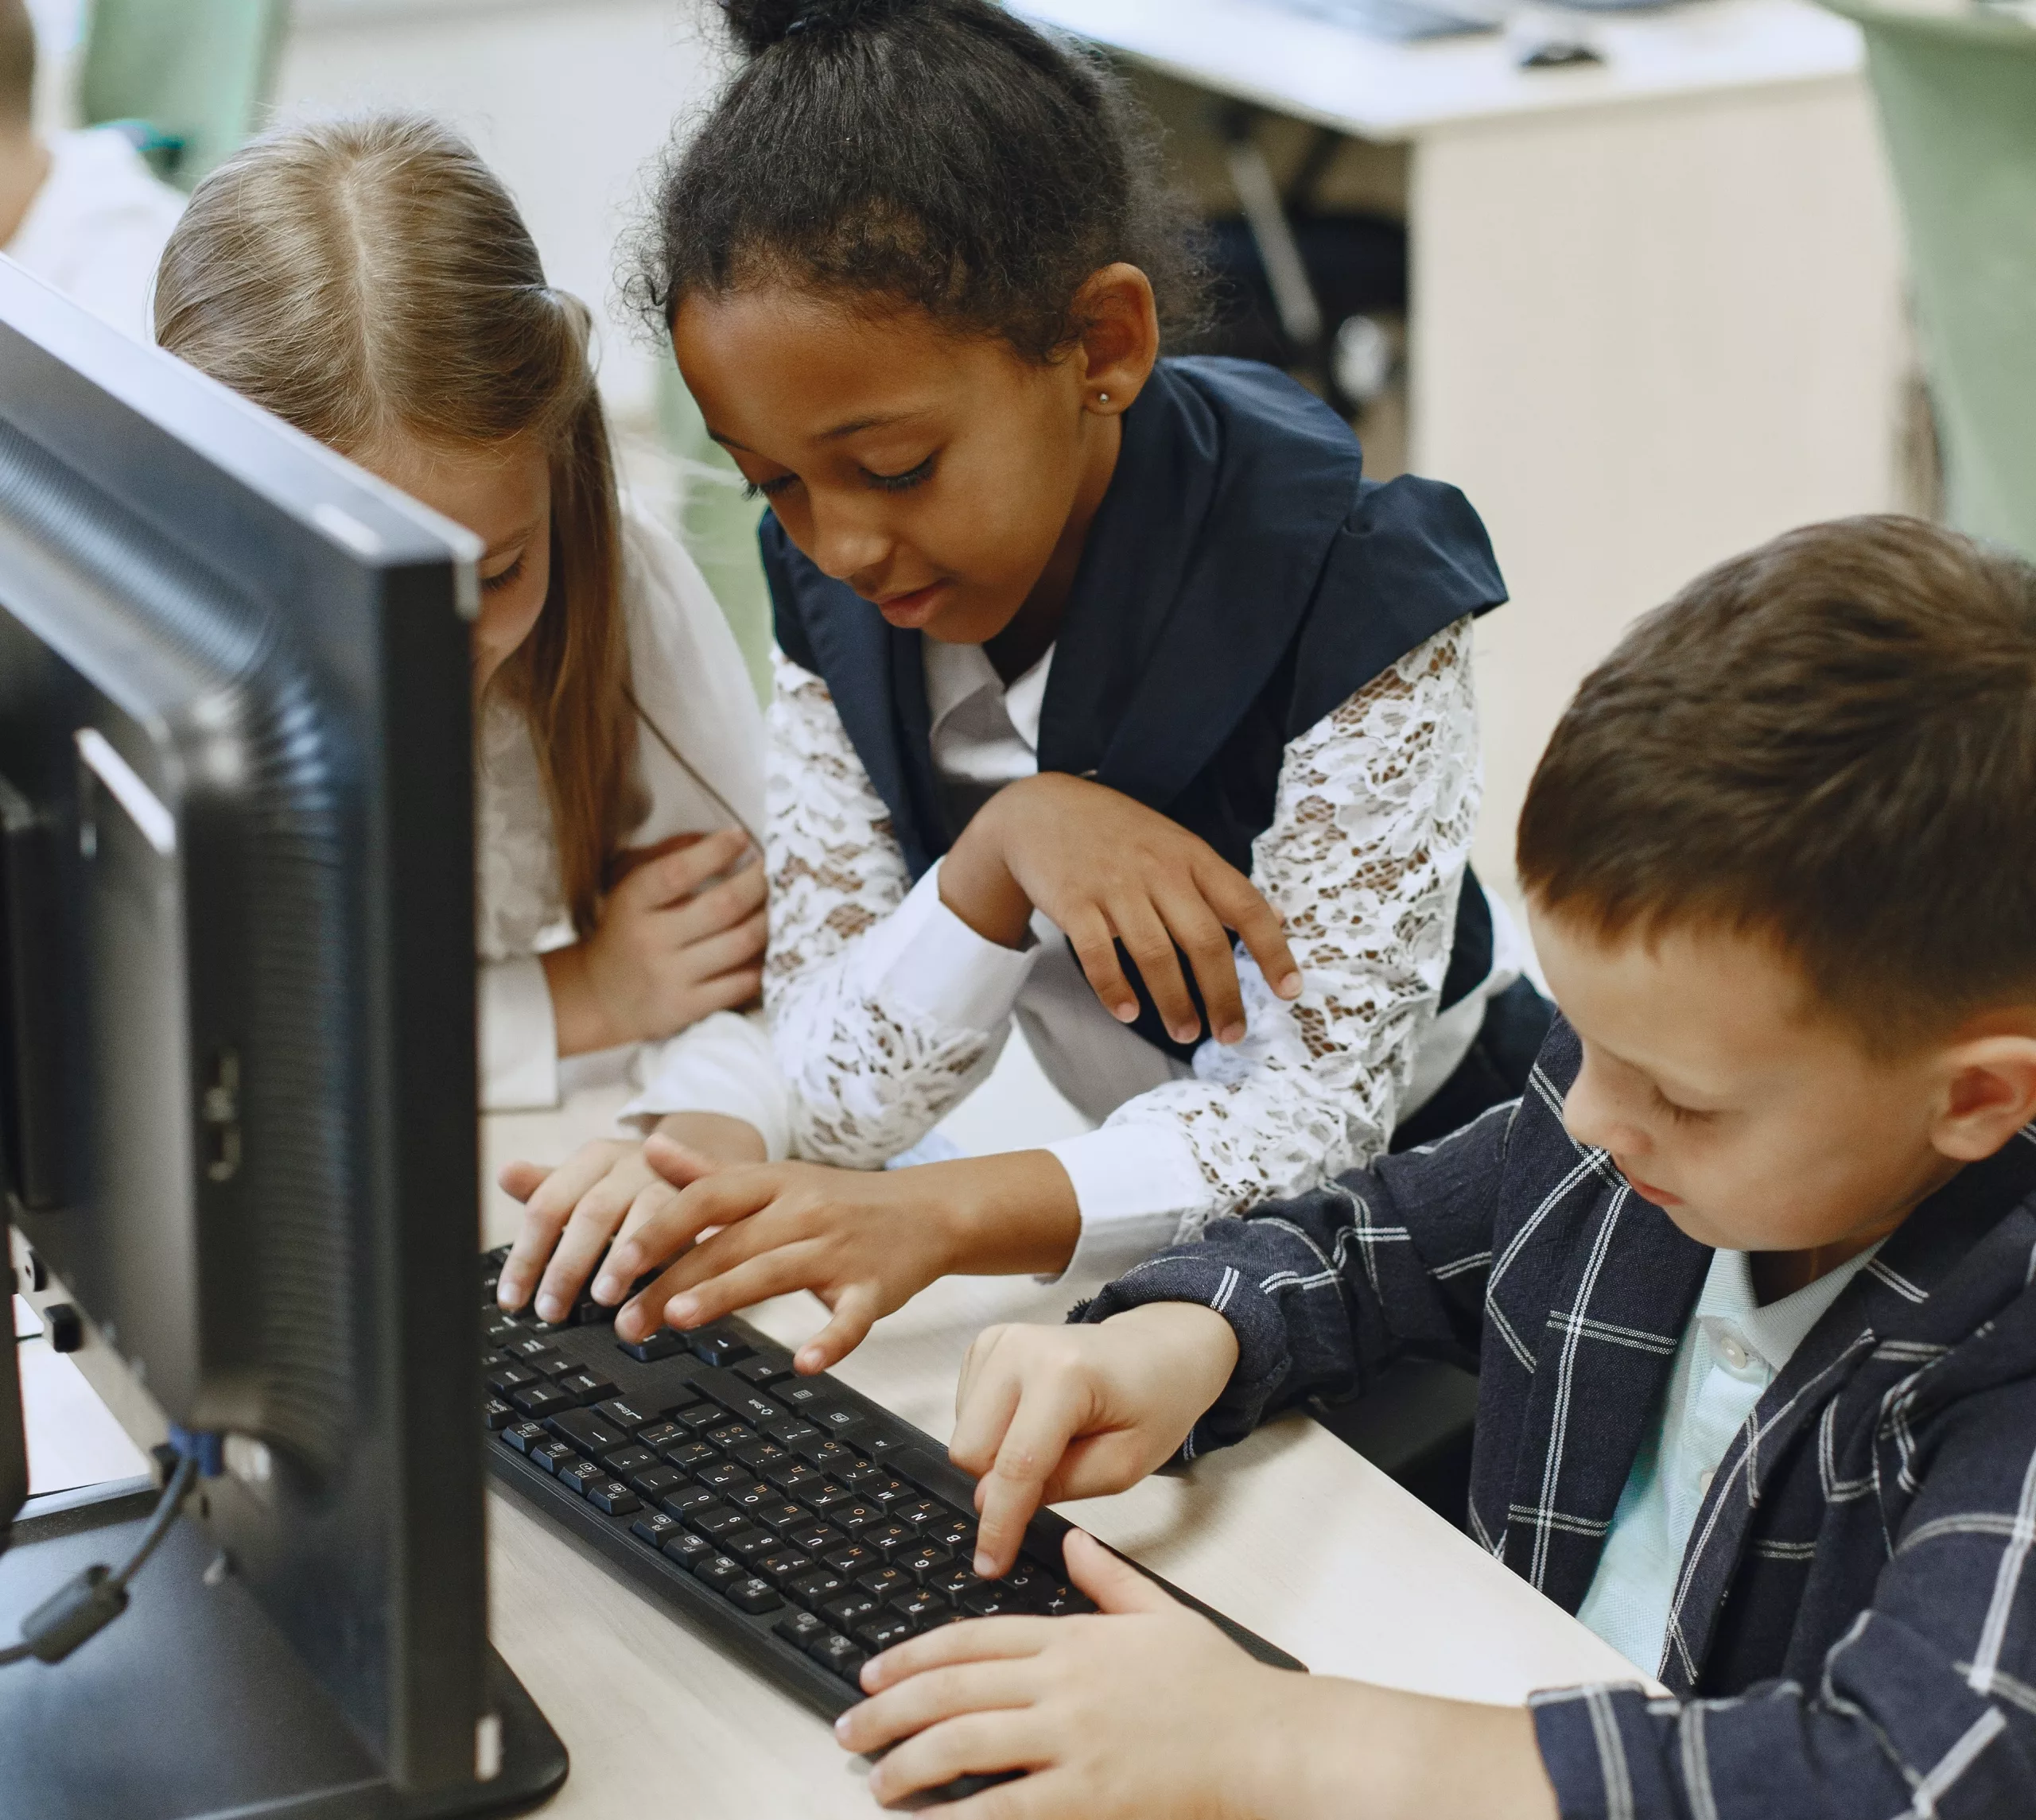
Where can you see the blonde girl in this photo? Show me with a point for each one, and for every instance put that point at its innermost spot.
(369, 281)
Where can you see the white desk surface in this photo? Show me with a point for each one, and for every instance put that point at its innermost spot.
(1290, 1534)
(1312, 69)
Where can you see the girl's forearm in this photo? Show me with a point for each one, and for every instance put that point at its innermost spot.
(1006, 1215)
(577, 1013)
(716, 1134)
(978, 886)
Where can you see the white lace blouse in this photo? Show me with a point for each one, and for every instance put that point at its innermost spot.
(688, 678)
(887, 1010)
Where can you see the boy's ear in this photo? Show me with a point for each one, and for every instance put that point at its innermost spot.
(1990, 1093)
(1119, 340)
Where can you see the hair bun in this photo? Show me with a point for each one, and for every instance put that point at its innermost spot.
(760, 24)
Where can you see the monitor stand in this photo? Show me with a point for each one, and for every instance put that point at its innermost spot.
(190, 1705)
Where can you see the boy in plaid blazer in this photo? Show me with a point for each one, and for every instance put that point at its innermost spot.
(1749, 1276)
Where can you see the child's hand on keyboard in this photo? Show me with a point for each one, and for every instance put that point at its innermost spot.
(863, 1241)
(1150, 1709)
(1047, 1413)
(570, 1213)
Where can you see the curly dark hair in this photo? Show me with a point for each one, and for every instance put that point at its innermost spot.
(940, 154)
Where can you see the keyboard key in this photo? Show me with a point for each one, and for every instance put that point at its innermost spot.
(800, 1628)
(878, 1631)
(855, 1514)
(653, 1482)
(732, 1434)
(612, 1498)
(805, 1393)
(764, 1370)
(541, 1399)
(886, 1582)
(506, 1377)
(656, 1528)
(757, 1453)
(578, 1474)
(880, 1446)
(752, 1496)
(537, 1352)
(985, 1600)
(826, 1497)
(496, 1415)
(780, 1516)
(585, 1387)
(502, 1329)
(715, 1346)
(688, 1550)
(850, 1609)
(631, 1418)
(722, 1475)
(659, 1435)
(853, 1557)
(678, 1394)
(523, 1436)
(893, 1494)
(815, 1538)
(815, 1589)
(952, 1581)
(750, 1545)
(919, 1512)
(822, 1450)
(888, 1538)
(791, 1476)
(951, 1531)
(716, 1521)
(844, 1424)
(588, 1432)
(692, 1456)
(718, 1571)
(790, 1430)
(661, 1344)
(838, 1654)
(922, 1561)
(552, 1455)
(683, 1502)
(922, 1609)
(738, 1398)
(783, 1565)
(861, 1477)
(624, 1460)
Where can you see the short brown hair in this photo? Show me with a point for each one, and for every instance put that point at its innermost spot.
(16, 65)
(369, 277)
(1831, 740)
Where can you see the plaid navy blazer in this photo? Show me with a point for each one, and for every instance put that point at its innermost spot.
(1854, 1629)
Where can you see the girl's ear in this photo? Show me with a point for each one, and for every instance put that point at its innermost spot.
(1119, 335)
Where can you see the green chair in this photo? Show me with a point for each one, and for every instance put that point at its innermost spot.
(193, 76)
(1956, 86)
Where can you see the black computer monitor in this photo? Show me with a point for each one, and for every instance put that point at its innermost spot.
(237, 1056)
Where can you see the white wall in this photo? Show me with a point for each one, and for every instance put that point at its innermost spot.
(570, 100)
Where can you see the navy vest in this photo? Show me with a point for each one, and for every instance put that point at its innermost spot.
(1241, 579)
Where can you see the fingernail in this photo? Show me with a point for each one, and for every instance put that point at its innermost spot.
(1125, 1014)
(680, 1309)
(1186, 1033)
(1289, 986)
(841, 1726)
(607, 1287)
(985, 1566)
(1232, 1033)
(807, 1361)
(551, 1308)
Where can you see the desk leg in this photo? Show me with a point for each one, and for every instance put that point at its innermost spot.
(1644, 338)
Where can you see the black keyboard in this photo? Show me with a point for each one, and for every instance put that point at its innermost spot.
(801, 1526)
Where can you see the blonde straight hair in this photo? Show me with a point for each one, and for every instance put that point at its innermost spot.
(369, 278)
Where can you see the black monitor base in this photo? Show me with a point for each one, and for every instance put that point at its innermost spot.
(190, 1706)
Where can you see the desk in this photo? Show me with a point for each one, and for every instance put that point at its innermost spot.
(1290, 1533)
(1656, 305)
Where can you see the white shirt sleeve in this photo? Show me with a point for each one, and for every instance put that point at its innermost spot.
(885, 1008)
(1365, 859)
(519, 1036)
(723, 1064)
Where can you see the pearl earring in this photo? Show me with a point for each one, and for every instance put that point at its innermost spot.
(1102, 397)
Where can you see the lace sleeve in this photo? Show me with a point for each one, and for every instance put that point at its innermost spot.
(871, 1072)
(1371, 831)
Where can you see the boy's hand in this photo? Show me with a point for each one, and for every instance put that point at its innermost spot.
(1047, 1413)
(570, 1213)
(1106, 869)
(864, 1242)
(676, 941)
(1149, 1709)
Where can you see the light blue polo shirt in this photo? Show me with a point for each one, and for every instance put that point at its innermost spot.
(1730, 1352)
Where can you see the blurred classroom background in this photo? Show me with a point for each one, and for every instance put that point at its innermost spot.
(1632, 276)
